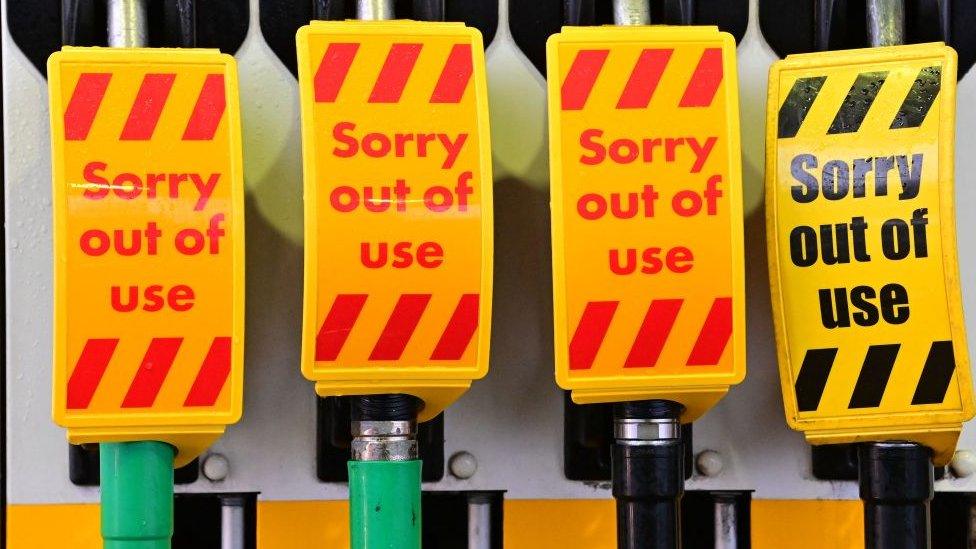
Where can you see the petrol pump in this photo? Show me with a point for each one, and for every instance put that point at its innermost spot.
(398, 240)
(647, 243)
(862, 260)
(148, 263)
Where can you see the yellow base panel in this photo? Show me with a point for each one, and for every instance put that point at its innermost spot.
(529, 524)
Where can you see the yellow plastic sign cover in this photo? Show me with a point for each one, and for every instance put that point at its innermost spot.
(646, 214)
(862, 247)
(148, 245)
(398, 211)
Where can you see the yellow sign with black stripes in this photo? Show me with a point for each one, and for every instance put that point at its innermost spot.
(862, 249)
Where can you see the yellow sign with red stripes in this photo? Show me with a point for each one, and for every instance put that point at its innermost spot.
(398, 239)
(149, 250)
(862, 249)
(647, 214)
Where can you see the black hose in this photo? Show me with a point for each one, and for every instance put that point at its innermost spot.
(180, 17)
(579, 13)
(945, 20)
(822, 17)
(83, 22)
(896, 484)
(69, 22)
(679, 12)
(328, 10)
(648, 481)
(428, 10)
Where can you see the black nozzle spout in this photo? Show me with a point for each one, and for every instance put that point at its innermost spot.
(896, 484)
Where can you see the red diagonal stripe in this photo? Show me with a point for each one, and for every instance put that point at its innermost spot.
(714, 335)
(83, 105)
(403, 321)
(212, 375)
(460, 329)
(148, 106)
(653, 333)
(208, 110)
(590, 331)
(395, 73)
(88, 371)
(705, 81)
(644, 79)
(338, 323)
(152, 372)
(455, 76)
(581, 78)
(332, 71)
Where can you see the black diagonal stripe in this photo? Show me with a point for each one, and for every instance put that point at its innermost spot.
(812, 379)
(873, 379)
(858, 101)
(798, 102)
(936, 374)
(919, 100)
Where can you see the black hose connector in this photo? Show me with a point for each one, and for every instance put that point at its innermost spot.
(648, 409)
(649, 478)
(896, 484)
(385, 407)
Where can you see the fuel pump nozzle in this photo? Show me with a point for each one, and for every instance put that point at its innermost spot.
(895, 477)
(417, 365)
(136, 477)
(385, 469)
(647, 458)
(648, 453)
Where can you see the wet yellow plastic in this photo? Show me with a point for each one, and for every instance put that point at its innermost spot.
(83, 306)
(930, 280)
(581, 247)
(334, 239)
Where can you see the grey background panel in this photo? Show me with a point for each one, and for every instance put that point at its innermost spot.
(512, 420)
